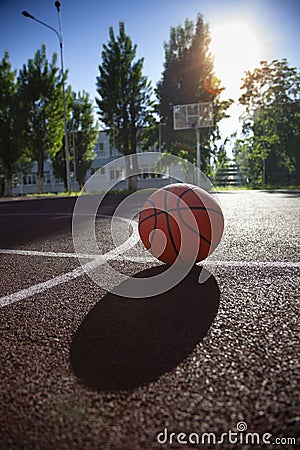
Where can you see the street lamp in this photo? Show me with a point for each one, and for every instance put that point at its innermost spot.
(60, 38)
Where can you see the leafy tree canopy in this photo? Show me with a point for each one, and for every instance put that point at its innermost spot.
(9, 143)
(271, 123)
(41, 105)
(189, 77)
(124, 101)
(82, 138)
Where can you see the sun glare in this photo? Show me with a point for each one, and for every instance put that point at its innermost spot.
(235, 47)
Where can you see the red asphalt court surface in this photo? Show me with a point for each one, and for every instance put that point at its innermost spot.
(211, 365)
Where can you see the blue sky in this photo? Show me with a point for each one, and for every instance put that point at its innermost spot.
(267, 29)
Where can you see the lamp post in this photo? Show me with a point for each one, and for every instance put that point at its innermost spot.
(60, 38)
(73, 148)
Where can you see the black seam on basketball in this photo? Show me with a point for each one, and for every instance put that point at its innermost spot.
(207, 209)
(155, 221)
(184, 192)
(150, 215)
(182, 208)
(157, 213)
(169, 227)
(152, 203)
(197, 232)
(198, 207)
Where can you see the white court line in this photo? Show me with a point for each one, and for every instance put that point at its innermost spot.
(79, 271)
(114, 254)
(142, 259)
(60, 279)
(262, 264)
(75, 273)
(5, 251)
(40, 287)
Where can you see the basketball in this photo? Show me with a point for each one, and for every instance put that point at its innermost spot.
(181, 223)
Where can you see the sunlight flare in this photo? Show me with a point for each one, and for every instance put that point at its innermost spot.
(235, 47)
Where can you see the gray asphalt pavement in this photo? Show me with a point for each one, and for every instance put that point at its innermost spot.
(211, 365)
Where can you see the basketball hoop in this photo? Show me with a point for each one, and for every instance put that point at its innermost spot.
(194, 116)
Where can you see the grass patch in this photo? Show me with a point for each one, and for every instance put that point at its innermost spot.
(52, 194)
(232, 188)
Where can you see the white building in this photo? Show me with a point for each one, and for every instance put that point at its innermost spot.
(26, 183)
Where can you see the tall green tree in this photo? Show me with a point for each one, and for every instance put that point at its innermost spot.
(9, 142)
(189, 77)
(124, 101)
(82, 138)
(271, 123)
(40, 88)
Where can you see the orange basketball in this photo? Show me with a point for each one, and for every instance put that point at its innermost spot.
(181, 223)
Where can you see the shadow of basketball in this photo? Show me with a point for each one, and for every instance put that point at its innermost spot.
(127, 342)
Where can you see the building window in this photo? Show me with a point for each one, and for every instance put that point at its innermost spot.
(112, 151)
(101, 149)
(33, 178)
(147, 173)
(117, 174)
(100, 170)
(47, 178)
(29, 179)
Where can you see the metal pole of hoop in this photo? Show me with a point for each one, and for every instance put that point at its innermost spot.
(60, 39)
(196, 127)
(196, 116)
(198, 156)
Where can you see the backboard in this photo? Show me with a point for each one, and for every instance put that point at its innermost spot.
(193, 115)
